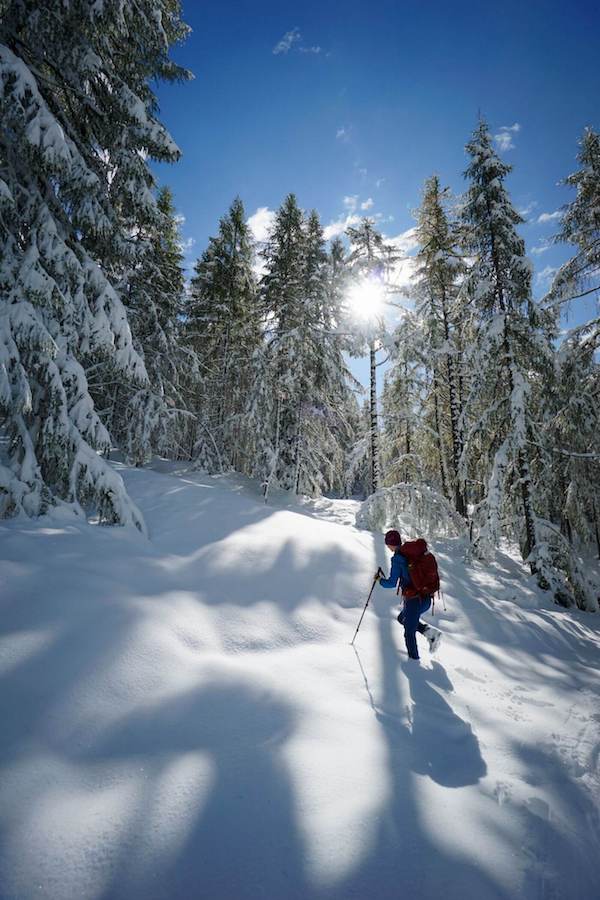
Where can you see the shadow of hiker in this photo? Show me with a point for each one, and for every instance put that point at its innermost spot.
(443, 745)
(436, 742)
(243, 839)
(403, 855)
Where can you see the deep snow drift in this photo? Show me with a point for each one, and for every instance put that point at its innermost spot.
(183, 717)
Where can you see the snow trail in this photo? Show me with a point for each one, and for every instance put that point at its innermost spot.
(184, 716)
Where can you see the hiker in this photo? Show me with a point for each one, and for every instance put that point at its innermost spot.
(413, 606)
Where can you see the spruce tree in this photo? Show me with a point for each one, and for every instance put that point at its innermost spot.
(403, 412)
(282, 298)
(151, 418)
(297, 418)
(222, 322)
(78, 125)
(511, 358)
(580, 276)
(574, 428)
(438, 276)
(324, 432)
(371, 259)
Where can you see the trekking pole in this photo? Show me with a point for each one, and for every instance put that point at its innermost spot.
(379, 572)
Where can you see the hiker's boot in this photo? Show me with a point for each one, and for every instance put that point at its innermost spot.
(434, 636)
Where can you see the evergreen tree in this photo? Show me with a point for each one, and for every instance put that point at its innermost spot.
(511, 358)
(282, 297)
(302, 434)
(403, 411)
(151, 418)
(79, 123)
(439, 272)
(572, 472)
(222, 321)
(358, 467)
(323, 429)
(580, 276)
(574, 491)
(370, 260)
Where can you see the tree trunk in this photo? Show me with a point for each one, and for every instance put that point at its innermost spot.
(454, 393)
(374, 428)
(438, 430)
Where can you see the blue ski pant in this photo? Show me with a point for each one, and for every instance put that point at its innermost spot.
(409, 617)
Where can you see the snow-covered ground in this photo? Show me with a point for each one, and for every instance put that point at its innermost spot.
(184, 716)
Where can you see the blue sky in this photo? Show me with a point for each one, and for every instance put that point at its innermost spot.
(363, 101)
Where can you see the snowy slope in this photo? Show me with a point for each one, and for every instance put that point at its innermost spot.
(183, 717)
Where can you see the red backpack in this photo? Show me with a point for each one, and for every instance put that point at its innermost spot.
(422, 567)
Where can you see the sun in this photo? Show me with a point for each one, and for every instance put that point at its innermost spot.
(365, 299)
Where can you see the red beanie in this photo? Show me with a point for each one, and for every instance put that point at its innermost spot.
(392, 538)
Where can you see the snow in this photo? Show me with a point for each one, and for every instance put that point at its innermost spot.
(183, 716)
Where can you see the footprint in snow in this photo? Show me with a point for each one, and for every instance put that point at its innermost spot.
(466, 673)
(502, 793)
(539, 808)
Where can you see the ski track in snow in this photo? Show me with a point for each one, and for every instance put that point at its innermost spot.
(184, 716)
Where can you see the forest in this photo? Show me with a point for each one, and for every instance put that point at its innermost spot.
(489, 413)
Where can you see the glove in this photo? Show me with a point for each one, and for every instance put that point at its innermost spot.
(378, 574)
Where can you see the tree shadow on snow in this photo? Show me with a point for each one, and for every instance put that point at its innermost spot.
(242, 839)
(403, 859)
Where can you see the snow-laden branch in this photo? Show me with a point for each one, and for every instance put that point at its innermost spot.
(431, 513)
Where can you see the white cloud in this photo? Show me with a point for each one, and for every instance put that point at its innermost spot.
(261, 222)
(287, 41)
(379, 182)
(541, 247)
(362, 173)
(546, 274)
(351, 202)
(367, 204)
(186, 244)
(338, 227)
(526, 210)
(504, 138)
(504, 141)
(343, 134)
(550, 217)
(290, 41)
(405, 241)
(403, 269)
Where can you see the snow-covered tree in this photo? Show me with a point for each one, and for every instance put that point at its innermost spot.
(222, 322)
(369, 264)
(580, 226)
(572, 436)
(510, 359)
(402, 402)
(358, 470)
(78, 124)
(304, 442)
(151, 418)
(574, 429)
(439, 272)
